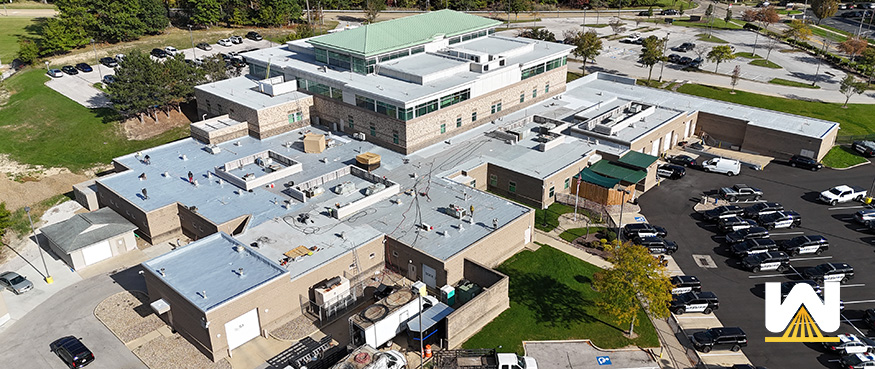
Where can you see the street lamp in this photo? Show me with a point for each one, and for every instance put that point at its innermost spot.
(664, 46)
(190, 37)
(100, 72)
(47, 65)
(48, 278)
(620, 222)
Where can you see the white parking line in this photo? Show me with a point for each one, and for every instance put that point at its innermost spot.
(722, 354)
(846, 207)
(852, 325)
(709, 316)
(853, 285)
(811, 258)
(859, 302)
(861, 229)
(786, 233)
(771, 275)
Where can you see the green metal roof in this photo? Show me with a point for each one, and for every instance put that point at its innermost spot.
(589, 176)
(378, 38)
(637, 160)
(612, 170)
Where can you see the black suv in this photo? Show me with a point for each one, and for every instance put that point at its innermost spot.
(670, 171)
(72, 352)
(753, 246)
(669, 12)
(719, 212)
(865, 148)
(733, 224)
(781, 219)
(763, 208)
(694, 302)
(109, 62)
(732, 338)
(747, 234)
(656, 245)
(254, 36)
(643, 230)
(805, 162)
(684, 284)
(814, 244)
(830, 272)
(159, 53)
(766, 261)
(786, 287)
(686, 46)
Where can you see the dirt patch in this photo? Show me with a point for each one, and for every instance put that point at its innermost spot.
(134, 130)
(128, 315)
(175, 352)
(22, 185)
(295, 329)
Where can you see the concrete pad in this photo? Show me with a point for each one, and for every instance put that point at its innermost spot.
(581, 353)
(142, 340)
(723, 358)
(697, 321)
(256, 352)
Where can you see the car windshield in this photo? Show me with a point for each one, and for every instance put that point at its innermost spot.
(17, 280)
(795, 242)
(521, 362)
(835, 191)
(686, 297)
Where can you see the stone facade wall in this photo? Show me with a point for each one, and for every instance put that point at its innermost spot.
(262, 123)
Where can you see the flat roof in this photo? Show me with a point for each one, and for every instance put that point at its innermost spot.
(422, 64)
(244, 91)
(208, 272)
(382, 37)
(494, 45)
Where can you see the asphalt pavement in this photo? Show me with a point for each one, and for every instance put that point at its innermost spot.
(741, 292)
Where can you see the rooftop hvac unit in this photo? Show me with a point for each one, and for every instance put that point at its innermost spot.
(374, 188)
(334, 290)
(344, 188)
(456, 211)
(213, 149)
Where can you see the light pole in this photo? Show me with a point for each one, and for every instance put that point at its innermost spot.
(664, 46)
(48, 278)
(47, 65)
(190, 37)
(100, 72)
(620, 223)
(577, 195)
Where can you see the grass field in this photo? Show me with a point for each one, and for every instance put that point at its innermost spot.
(842, 157)
(29, 5)
(552, 217)
(574, 233)
(748, 55)
(42, 127)
(715, 24)
(551, 299)
(764, 63)
(855, 120)
(785, 82)
(712, 38)
(11, 29)
(821, 32)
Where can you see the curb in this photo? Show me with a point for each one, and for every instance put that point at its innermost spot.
(852, 166)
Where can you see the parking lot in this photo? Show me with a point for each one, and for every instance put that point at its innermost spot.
(741, 292)
(80, 87)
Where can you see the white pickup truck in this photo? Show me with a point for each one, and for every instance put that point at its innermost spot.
(842, 193)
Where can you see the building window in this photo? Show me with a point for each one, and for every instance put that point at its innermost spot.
(511, 186)
(444, 128)
(474, 183)
(547, 88)
(496, 107)
(351, 121)
(458, 122)
(474, 116)
(395, 137)
(426, 107)
(552, 191)
(493, 180)
(522, 98)
(372, 255)
(373, 130)
(365, 103)
(534, 93)
(567, 182)
(296, 117)
(455, 98)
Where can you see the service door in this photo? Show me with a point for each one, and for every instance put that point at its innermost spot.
(429, 276)
(96, 252)
(411, 272)
(654, 149)
(242, 329)
(666, 142)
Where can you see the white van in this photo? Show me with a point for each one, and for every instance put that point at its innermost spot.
(722, 165)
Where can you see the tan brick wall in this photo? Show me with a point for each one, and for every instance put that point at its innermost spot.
(479, 175)
(557, 180)
(194, 225)
(493, 249)
(399, 257)
(184, 317)
(263, 122)
(156, 226)
(782, 145)
(470, 318)
(335, 111)
(675, 127)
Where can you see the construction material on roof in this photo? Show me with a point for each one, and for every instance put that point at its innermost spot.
(637, 160)
(587, 175)
(298, 251)
(608, 169)
(314, 143)
(368, 161)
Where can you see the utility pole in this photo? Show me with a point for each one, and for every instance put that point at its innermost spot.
(99, 71)
(190, 37)
(48, 277)
(664, 46)
(309, 22)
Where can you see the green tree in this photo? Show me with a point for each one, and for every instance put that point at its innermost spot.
(867, 60)
(154, 16)
(214, 68)
(373, 8)
(205, 12)
(28, 51)
(537, 34)
(236, 12)
(58, 37)
(798, 30)
(139, 85)
(5, 220)
(587, 45)
(119, 20)
(728, 17)
(182, 77)
(823, 9)
(635, 277)
(851, 87)
(719, 54)
(652, 53)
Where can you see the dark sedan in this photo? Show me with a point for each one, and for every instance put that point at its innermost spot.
(159, 53)
(72, 352)
(805, 162)
(69, 70)
(84, 67)
(683, 160)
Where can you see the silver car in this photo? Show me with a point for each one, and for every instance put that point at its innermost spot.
(15, 282)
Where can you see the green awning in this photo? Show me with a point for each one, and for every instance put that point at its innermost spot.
(589, 176)
(622, 173)
(637, 160)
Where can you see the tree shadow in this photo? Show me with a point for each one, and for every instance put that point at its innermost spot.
(554, 303)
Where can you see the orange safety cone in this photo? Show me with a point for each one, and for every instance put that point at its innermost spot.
(427, 351)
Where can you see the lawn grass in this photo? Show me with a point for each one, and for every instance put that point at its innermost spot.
(712, 38)
(785, 82)
(716, 23)
(574, 233)
(764, 63)
(855, 120)
(11, 29)
(551, 298)
(552, 218)
(42, 127)
(29, 5)
(747, 55)
(789, 12)
(651, 83)
(21, 224)
(842, 157)
(821, 32)
(594, 25)
(570, 76)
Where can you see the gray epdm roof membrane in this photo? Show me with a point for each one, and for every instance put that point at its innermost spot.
(219, 277)
(244, 92)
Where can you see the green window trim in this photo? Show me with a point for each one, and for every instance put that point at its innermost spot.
(511, 186)
(567, 182)
(443, 128)
(493, 180)
(458, 122)
(522, 98)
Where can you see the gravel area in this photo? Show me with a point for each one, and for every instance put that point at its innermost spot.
(175, 352)
(128, 315)
(295, 329)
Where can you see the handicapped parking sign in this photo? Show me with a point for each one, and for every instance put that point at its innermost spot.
(603, 360)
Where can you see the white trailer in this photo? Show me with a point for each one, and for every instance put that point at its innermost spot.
(381, 322)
